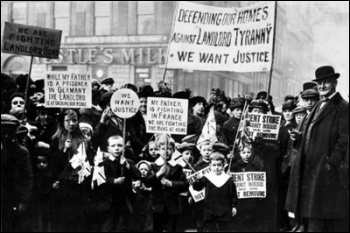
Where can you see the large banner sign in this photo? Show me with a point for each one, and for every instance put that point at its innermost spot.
(68, 90)
(265, 126)
(222, 39)
(31, 41)
(167, 116)
(250, 184)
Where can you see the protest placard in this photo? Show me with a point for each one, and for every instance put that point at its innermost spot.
(167, 116)
(250, 184)
(125, 103)
(31, 41)
(68, 90)
(222, 39)
(197, 195)
(262, 125)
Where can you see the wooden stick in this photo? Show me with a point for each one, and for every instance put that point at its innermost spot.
(27, 88)
(273, 54)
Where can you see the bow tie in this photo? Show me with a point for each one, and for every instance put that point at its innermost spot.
(325, 100)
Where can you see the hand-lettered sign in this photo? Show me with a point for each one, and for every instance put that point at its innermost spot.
(31, 41)
(125, 103)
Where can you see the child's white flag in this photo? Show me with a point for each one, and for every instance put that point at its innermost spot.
(99, 170)
(209, 129)
(79, 158)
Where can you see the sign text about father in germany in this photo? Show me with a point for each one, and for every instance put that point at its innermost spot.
(250, 184)
(31, 41)
(222, 39)
(68, 90)
(166, 115)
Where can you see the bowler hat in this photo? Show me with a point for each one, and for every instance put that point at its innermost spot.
(310, 93)
(325, 72)
(309, 85)
(108, 81)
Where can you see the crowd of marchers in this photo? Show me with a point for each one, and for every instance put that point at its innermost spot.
(72, 170)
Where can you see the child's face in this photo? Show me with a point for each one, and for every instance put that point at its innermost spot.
(206, 151)
(246, 154)
(153, 150)
(41, 163)
(87, 134)
(144, 169)
(116, 147)
(217, 166)
(72, 124)
(187, 156)
(170, 151)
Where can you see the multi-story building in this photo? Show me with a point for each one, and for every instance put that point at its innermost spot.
(127, 40)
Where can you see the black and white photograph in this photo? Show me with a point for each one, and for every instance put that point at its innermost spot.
(174, 116)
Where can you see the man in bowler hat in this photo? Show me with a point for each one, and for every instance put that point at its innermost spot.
(315, 191)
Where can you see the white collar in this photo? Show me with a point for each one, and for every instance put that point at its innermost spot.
(331, 96)
(218, 181)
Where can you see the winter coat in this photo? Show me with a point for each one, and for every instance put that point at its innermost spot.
(314, 187)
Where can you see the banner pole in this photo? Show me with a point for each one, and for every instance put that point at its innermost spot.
(27, 89)
(171, 33)
(273, 53)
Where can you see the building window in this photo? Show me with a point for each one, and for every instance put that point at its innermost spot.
(146, 17)
(41, 9)
(103, 18)
(19, 14)
(62, 12)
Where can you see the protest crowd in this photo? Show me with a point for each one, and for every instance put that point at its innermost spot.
(84, 170)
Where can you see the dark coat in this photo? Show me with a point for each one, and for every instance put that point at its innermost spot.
(218, 202)
(16, 177)
(314, 184)
(168, 197)
(122, 195)
(230, 130)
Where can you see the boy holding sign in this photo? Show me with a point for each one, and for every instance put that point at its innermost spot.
(246, 218)
(220, 195)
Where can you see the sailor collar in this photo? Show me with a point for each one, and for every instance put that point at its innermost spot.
(216, 180)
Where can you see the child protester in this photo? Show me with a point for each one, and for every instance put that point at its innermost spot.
(143, 216)
(167, 182)
(189, 153)
(150, 152)
(119, 175)
(220, 195)
(246, 219)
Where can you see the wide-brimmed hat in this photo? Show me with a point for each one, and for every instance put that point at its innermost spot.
(197, 99)
(259, 104)
(146, 91)
(237, 103)
(108, 81)
(288, 105)
(7, 119)
(325, 72)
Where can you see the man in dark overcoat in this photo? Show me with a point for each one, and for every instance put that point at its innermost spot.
(315, 191)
